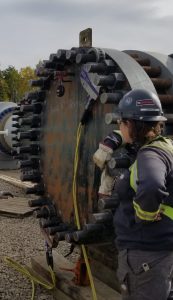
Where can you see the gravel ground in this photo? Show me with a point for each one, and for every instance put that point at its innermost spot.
(20, 240)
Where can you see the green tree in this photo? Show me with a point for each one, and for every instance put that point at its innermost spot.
(3, 88)
(26, 74)
(12, 79)
(14, 84)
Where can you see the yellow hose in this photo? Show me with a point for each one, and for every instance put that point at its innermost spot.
(76, 211)
(34, 279)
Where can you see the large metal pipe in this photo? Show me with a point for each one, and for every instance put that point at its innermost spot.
(116, 73)
(6, 135)
(6, 126)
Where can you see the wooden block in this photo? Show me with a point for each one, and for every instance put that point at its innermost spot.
(104, 258)
(15, 207)
(60, 295)
(16, 182)
(105, 274)
(64, 280)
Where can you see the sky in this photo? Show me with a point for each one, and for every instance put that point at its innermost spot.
(30, 30)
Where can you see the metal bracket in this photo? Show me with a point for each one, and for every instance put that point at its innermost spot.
(85, 38)
(49, 256)
(80, 272)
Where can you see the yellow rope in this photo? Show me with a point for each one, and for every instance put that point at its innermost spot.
(76, 211)
(34, 279)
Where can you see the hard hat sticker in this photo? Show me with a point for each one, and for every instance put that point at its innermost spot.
(144, 102)
(128, 100)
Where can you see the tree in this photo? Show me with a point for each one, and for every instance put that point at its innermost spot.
(3, 88)
(12, 79)
(14, 84)
(26, 74)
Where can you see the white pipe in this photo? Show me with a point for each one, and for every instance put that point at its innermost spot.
(5, 132)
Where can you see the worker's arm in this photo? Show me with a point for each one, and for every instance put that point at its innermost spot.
(152, 168)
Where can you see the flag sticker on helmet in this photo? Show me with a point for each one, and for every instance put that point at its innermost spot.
(144, 102)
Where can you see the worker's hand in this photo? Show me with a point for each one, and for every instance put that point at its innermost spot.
(102, 155)
(5, 195)
(106, 184)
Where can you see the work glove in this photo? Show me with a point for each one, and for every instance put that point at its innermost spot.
(102, 155)
(114, 140)
(106, 184)
(110, 143)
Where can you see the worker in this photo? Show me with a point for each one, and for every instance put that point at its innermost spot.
(144, 218)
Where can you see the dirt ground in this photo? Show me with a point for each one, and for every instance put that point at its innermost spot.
(20, 240)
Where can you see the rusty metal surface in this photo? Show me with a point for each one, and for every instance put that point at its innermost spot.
(115, 73)
(61, 118)
(85, 38)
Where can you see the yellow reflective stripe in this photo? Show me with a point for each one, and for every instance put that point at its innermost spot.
(161, 143)
(151, 216)
(167, 148)
(133, 176)
(166, 210)
(145, 215)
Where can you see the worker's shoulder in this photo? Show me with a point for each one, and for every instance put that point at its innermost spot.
(162, 143)
(161, 147)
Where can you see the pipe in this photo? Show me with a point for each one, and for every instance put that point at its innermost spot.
(111, 98)
(162, 83)
(152, 71)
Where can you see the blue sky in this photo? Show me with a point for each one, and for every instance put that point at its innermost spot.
(32, 29)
